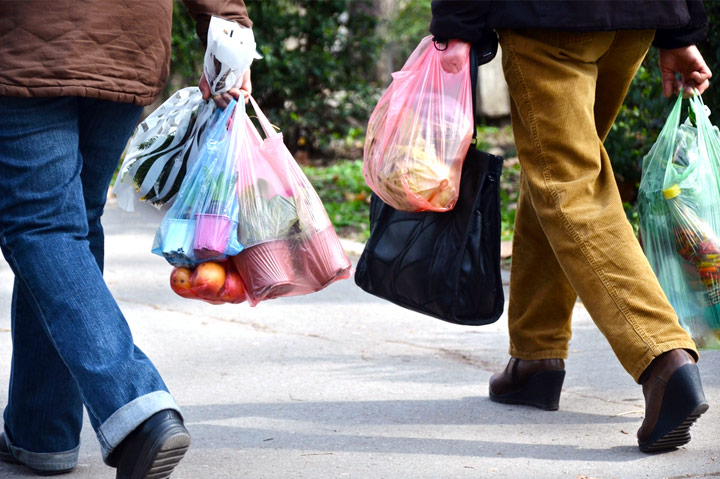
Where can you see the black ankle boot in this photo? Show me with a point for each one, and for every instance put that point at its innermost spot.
(536, 383)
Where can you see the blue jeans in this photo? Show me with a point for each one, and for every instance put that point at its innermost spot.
(71, 344)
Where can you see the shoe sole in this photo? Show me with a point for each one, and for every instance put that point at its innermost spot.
(683, 403)
(541, 391)
(161, 456)
(38, 472)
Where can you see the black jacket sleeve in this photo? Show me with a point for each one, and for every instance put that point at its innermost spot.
(690, 34)
(465, 20)
(460, 19)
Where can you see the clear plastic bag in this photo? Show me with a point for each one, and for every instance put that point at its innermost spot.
(161, 150)
(163, 147)
(290, 245)
(419, 133)
(679, 211)
(201, 225)
(215, 282)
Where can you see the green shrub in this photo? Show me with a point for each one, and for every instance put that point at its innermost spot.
(407, 26)
(346, 197)
(316, 78)
(637, 126)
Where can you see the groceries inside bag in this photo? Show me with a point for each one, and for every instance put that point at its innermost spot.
(288, 244)
(164, 146)
(419, 132)
(201, 225)
(679, 210)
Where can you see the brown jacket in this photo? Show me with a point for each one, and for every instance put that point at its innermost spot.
(107, 49)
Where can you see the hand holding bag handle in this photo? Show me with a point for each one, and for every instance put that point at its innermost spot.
(445, 265)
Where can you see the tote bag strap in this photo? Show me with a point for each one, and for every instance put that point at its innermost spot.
(481, 53)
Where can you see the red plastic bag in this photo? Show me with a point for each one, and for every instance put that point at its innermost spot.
(419, 133)
(290, 245)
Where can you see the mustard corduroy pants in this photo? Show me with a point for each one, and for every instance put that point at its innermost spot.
(572, 238)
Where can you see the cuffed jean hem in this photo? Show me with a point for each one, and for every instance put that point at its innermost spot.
(45, 461)
(126, 419)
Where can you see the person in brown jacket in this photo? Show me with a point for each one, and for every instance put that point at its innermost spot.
(72, 86)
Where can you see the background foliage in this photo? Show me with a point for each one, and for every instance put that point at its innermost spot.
(187, 52)
(345, 195)
(317, 75)
(403, 31)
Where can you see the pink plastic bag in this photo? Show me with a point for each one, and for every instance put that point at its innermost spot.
(419, 133)
(290, 245)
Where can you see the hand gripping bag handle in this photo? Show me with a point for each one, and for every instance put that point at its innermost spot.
(445, 265)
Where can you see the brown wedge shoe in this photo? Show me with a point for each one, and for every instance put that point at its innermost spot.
(535, 383)
(674, 399)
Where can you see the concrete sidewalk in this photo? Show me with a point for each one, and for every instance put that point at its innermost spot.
(339, 384)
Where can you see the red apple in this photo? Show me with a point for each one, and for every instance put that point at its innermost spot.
(180, 282)
(233, 290)
(207, 279)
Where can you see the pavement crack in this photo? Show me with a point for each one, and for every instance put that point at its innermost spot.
(695, 476)
(610, 401)
(455, 355)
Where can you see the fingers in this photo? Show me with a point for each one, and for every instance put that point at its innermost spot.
(702, 86)
(452, 61)
(204, 87)
(690, 65)
(246, 83)
(237, 92)
(669, 85)
(223, 100)
(700, 79)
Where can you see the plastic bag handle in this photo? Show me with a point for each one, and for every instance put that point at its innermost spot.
(708, 136)
(264, 122)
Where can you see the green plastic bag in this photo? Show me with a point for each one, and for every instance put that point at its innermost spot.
(679, 211)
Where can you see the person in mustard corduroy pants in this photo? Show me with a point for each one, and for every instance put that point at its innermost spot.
(568, 66)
